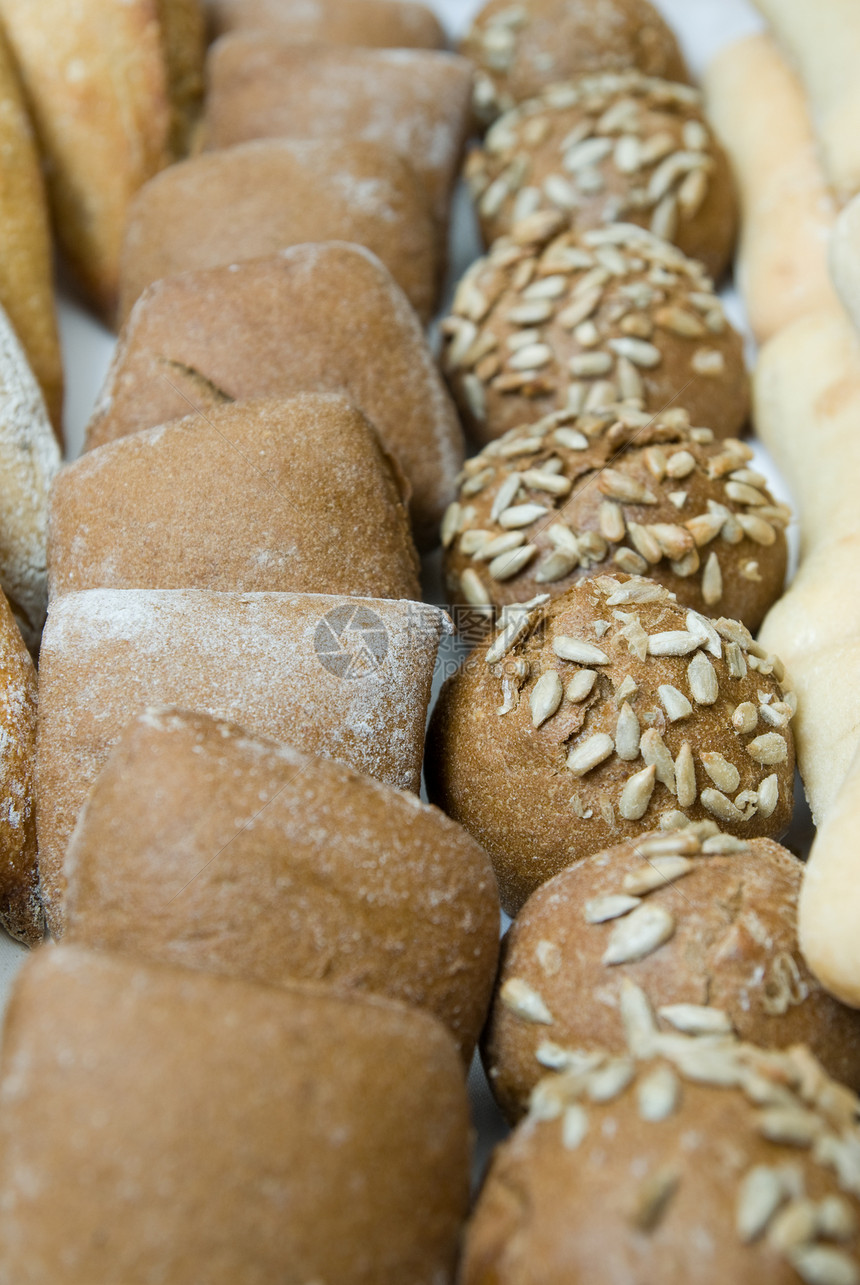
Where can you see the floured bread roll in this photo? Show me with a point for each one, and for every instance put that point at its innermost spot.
(114, 89)
(276, 327)
(293, 494)
(321, 874)
(707, 926)
(29, 460)
(172, 1124)
(252, 201)
(348, 678)
(21, 912)
(395, 24)
(416, 103)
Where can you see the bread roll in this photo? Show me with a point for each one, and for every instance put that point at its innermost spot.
(277, 495)
(21, 912)
(554, 320)
(29, 460)
(732, 910)
(845, 259)
(170, 1123)
(113, 89)
(348, 678)
(573, 494)
(610, 146)
(759, 111)
(321, 874)
(823, 42)
(279, 326)
(604, 712)
(379, 23)
(413, 102)
(254, 200)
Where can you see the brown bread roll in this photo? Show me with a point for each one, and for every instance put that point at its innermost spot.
(321, 874)
(382, 24)
(277, 495)
(348, 678)
(606, 147)
(413, 102)
(703, 925)
(174, 1124)
(604, 712)
(519, 49)
(689, 1158)
(114, 89)
(252, 201)
(279, 326)
(554, 320)
(21, 912)
(548, 504)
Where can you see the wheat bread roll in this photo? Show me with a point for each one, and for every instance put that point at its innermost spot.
(29, 461)
(321, 874)
(284, 325)
(845, 259)
(690, 1157)
(706, 926)
(21, 912)
(383, 24)
(605, 147)
(551, 319)
(288, 495)
(758, 108)
(348, 678)
(602, 713)
(114, 90)
(413, 102)
(175, 1123)
(519, 49)
(823, 43)
(252, 201)
(574, 495)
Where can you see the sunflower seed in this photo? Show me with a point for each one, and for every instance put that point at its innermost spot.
(580, 686)
(581, 308)
(644, 542)
(505, 495)
(540, 480)
(571, 438)
(675, 703)
(664, 220)
(735, 661)
(836, 1218)
(639, 351)
(702, 629)
(724, 774)
(654, 752)
(579, 651)
(768, 749)
(560, 192)
(702, 677)
(521, 515)
(611, 521)
(705, 527)
(674, 642)
(696, 1019)
(761, 1193)
(653, 1197)
(712, 581)
(792, 1126)
(590, 152)
(685, 776)
(659, 872)
(674, 541)
(583, 758)
(586, 364)
(639, 934)
(679, 322)
(599, 910)
(603, 393)
(768, 795)
(637, 792)
(630, 562)
(491, 548)
(658, 1094)
(503, 643)
(756, 528)
(627, 734)
(563, 538)
(794, 1226)
(637, 1018)
(721, 807)
(574, 1126)
(473, 589)
(823, 1265)
(507, 565)
(525, 1002)
(556, 566)
(620, 486)
(530, 314)
(609, 1081)
(546, 697)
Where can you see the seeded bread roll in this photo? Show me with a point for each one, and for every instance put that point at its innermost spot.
(29, 460)
(251, 201)
(413, 102)
(113, 89)
(693, 1158)
(544, 506)
(551, 320)
(21, 912)
(608, 147)
(760, 114)
(290, 495)
(706, 926)
(336, 878)
(593, 717)
(519, 49)
(279, 326)
(384, 24)
(247, 1132)
(348, 678)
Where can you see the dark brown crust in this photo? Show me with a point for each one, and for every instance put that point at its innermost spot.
(21, 912)
(379, 24)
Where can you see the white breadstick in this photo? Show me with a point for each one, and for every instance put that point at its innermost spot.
(845, 258)
(822, 39)
(757, 107)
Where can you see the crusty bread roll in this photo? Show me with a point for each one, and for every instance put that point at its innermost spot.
(252, 201)
(162, 1124)
(414, 102)
(345, 677)
(845, 259)
(321, 874)
(113, 89)
(384, 24)
(29, 460)
(823, 42)
(290, 494)
(21, 912)
(758, 108)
